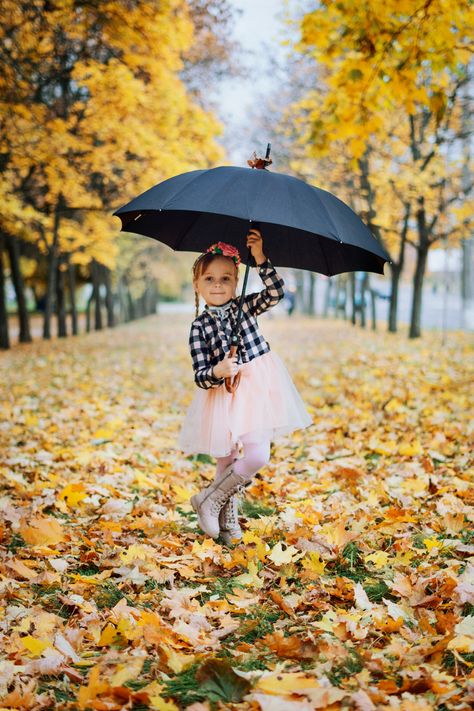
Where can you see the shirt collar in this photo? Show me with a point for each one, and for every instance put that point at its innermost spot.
(220, 310)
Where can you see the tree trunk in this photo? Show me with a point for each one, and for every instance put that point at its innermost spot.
(363, 288)
(109, 298)
(299, 290)
(71, 272)
(393, 307)
(353, 297)
(88, 312)
(421, 260)
(95, 269)
(327, 298)
(341, 300)
(19, 286)
(61, 301)
(156, 296)
(373, 309)
(130, 306)
(122, 309)
(4, 336)
(52, 266)
(397, 268)
(415, 320)
(310, 305)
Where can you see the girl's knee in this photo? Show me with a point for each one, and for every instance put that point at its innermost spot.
(259, 456)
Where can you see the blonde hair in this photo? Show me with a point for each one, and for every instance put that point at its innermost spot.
(200, 266)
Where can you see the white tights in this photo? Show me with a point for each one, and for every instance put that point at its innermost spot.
(256, 455)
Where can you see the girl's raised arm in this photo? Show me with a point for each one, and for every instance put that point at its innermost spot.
(270, 296)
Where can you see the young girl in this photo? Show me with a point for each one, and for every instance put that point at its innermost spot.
(265, 404)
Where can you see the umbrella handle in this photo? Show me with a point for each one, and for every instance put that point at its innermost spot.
(229, 385)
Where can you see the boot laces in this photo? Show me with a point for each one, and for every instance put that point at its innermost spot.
(230, 513)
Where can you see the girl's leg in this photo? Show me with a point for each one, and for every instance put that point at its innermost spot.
(256, 456)
(223, 462)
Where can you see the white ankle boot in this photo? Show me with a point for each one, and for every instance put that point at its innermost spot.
(229, 526)
(209, 501)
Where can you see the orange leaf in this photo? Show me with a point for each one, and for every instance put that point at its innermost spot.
(42, 530)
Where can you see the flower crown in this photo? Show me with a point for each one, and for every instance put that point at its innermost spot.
(227, 250)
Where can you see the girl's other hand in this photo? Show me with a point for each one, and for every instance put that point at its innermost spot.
(255, 244)
(227, 367)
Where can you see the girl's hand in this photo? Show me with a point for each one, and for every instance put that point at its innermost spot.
(227, 367)
(255, 242)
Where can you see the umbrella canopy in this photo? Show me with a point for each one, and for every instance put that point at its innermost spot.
(302, 226)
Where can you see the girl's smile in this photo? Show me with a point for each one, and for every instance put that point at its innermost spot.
(218, 283)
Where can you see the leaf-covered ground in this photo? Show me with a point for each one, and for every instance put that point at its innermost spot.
(353, 588)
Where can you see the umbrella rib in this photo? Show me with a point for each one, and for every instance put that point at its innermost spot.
(183, 187)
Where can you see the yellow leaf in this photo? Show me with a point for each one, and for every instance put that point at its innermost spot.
(182, 494)
(327, 622)
(156, 702)
(94, 687)
(250, 578)
(35, 646)
(313, 562)
(108, 635)
(73, 493)
(176, 661)
(280, 555)
(415, 485)
(431, 543)
(379, 559)
(31, 420)
(290, 683)
(144, 481)
(462, 643)
(103, 433)
(207, 549)
(125, 672)
(128, 630)
(250, 537)
(135, 552)
(402, 558)
(410, 449)
(386, 448)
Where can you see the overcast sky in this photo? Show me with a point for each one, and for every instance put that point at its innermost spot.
(259, 29)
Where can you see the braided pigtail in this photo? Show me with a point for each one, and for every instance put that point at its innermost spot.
(196, 300)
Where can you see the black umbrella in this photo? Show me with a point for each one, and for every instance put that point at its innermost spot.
(303, 226)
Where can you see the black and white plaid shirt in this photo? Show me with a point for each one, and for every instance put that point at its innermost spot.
(210, 335)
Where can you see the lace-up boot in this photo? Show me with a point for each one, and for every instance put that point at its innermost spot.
(209, 501)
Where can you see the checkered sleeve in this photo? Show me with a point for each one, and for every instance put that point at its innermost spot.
(270, 296)
(201, 359)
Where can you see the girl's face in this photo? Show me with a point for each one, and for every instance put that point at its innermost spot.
(218, 283)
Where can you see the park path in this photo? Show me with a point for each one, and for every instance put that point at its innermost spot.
(356, 566)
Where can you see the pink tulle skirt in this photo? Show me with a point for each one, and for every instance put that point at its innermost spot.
(265, 405)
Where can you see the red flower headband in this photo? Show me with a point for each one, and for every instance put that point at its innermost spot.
(227, 250)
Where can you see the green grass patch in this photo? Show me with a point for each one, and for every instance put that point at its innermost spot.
(254, 509)
(108, 595)
(257, 623)
(351, 665)
(378, 589)
(213, 681)
(451, 663)
(16, 541)
(349, 564)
